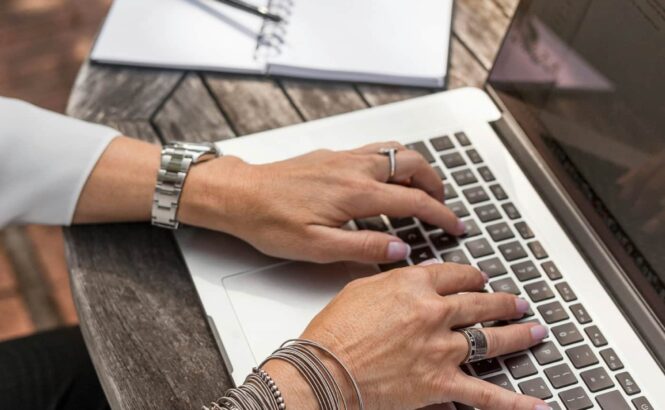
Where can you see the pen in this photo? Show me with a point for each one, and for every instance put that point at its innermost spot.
(250, 8)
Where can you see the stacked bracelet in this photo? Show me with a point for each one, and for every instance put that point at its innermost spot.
(260, 392)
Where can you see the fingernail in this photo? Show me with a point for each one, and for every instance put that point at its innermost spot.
(539, 332)
(542, 407)
(429, 262)
(485, 276)
(461, 227)
(521, 305)
(398, 251)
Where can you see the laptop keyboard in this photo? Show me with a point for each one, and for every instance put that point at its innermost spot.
(576, 367)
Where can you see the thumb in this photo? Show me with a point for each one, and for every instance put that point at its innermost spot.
(360, 246)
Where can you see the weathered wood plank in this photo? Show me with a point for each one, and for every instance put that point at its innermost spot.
(141, 129)
(480, 25)
(141, 318)
(191, 114)
(252, 104)
(465, 70)
(106, 92)
(508, 6)
(385, 94)
(317, 99)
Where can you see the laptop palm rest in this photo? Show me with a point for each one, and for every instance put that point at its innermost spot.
(277, 302)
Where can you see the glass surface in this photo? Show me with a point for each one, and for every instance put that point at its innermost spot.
(586, 80)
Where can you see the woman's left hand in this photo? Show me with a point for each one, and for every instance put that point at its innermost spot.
(296, 208)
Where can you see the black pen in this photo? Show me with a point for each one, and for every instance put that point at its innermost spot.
(250, 8)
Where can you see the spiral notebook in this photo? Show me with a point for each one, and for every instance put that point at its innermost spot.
(400, 42)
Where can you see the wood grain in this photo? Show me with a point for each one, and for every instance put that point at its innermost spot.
(508, 6)
(317, 99)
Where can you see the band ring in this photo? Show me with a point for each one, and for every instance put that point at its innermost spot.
(477, 344)
(391, 153)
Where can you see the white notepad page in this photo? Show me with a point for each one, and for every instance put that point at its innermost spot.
(392, 41)
(188, 34)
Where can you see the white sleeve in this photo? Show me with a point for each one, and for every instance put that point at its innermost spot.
(45, 159)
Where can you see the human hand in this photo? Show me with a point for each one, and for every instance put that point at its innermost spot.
(296, 208)
(395, 332)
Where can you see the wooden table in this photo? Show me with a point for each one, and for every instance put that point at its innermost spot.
(140, 315)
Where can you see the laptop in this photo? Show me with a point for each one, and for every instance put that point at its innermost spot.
(557, 169)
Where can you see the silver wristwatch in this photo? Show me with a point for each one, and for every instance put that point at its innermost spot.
(177, 158)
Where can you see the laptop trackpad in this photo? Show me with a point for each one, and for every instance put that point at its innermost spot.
(276, 303)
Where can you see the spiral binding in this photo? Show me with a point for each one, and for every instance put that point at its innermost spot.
(273, 34)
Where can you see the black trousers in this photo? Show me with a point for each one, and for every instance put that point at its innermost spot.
(49, 371)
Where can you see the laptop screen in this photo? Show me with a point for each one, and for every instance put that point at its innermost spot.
(586, 80)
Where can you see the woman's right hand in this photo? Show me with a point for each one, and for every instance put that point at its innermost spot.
(395, 332)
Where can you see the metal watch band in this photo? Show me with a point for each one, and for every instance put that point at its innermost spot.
(177, 158)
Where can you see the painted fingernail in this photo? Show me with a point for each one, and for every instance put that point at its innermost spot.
(539, 332)
(485, 276)
(461, 227)
(542, 407)
(521, 305)
(398, 251)
(429, 262)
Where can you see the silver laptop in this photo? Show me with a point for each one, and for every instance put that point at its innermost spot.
(557, 169)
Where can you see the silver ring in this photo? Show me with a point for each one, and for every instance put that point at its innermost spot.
(477, 344)
(391, 153)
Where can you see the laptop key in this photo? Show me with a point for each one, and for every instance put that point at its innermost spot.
(500, 231)
(597, 379)
(479, 248)
(492, 267)
(567, 334)
(525, 271)
(539, 291)
(374, 223)
(524, 230)
(551, 270)
(560, 376)
(439, 172)
(581, 356)
(456, 256)
(580, 313)
(442, 143)
(487, 213)
(449, 192)
(611, 359)
(535, 388)
(475, 195)
(565, 291)
(575, 399)
(553, 312)
(443, 241)
(462, 139)
(402, 222)
(506, 285)
(485, 367)
(520, 366)
(453, 160)
(412, 236)
(419, 255)
(486, 174)
(498, 192)
(464, 177)
(474, 156)
(501, 380)
(458, 209)
(546, 353)
(511, 211)
(537, 250)
(422, 149)
(512, 251)
(472, 229)
(641, 403)
(595, 335)
(614, 401)
(628, 383)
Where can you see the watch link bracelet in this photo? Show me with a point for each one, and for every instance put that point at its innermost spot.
(177, 158)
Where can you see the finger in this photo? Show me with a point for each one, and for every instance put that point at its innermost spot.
(451, 278)
(359, 246)
(487, 396)
(481, 307)
(399, 201)
(374, 147)
(410, 166)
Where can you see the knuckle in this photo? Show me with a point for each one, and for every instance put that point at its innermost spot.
(369, 247)
(419, 201)
(493, 342)
(486, 397)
